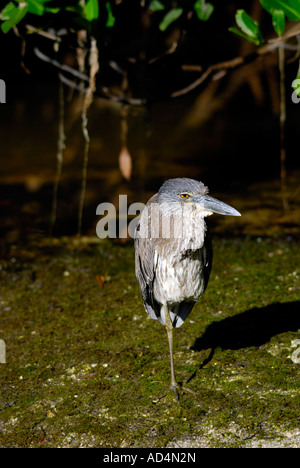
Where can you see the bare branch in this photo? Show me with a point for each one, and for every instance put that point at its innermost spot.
(46, 34)
(217, 71)
(61, 66)
(267, 48)
(87, 101)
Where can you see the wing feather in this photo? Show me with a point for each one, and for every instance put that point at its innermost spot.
(144, 270)
(145, 260)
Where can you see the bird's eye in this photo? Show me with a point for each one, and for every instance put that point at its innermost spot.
(184, 195)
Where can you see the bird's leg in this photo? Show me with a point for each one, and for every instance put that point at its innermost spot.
(169, 327)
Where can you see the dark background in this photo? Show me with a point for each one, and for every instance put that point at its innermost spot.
(225, 132)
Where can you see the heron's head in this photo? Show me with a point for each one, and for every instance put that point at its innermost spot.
(187, 192)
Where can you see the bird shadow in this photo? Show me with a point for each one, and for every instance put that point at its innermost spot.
(254, 327)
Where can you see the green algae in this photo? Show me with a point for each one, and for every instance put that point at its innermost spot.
(86, 367)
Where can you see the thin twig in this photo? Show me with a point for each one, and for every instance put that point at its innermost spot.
(72, 84)
(222, 66)
(105, 93)
(59, 65)
(236, 62)
(87, 100)
(46, 34)
(86, 136)
(282, 130)
(59, 155)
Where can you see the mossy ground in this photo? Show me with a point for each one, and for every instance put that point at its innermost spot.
(85, 366)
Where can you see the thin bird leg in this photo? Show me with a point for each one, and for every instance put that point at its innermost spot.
(169, 327)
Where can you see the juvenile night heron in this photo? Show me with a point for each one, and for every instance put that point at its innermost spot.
(173, 252)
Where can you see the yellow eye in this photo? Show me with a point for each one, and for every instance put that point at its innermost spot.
(184, 195)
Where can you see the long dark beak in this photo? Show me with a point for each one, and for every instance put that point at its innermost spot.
(215, 206)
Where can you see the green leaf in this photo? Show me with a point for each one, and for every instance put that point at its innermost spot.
(5, 13)
(244, 36)
(203, 10)
(52, 10)
(110, 17)
(170, 17)
(36, 7)
(12, 15)
(291, 8)
(248, 26)
(91, 10)
(155, 5)
(278, 21)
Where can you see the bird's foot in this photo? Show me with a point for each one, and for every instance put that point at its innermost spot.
(186, 389)
(176, 390)
(174, 387)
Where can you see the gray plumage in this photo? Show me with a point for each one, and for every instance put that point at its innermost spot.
(173, 251)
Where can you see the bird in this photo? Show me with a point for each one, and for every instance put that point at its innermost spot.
(173, 253)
